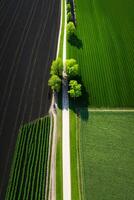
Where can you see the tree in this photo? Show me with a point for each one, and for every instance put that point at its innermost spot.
(55, 83)
(70, 30)
(68, 7)
(72, 68)
(75, 89)
(69, 17)
(57, 67)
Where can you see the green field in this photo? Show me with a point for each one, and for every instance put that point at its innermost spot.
(107, 155)
(29, 169)
(75, 190)
(106, 56)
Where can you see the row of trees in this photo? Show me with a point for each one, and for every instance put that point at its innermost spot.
(72, 67)
(71, 30)
(71, 13)
(72, 70)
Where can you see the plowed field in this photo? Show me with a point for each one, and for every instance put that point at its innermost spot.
(28, 42)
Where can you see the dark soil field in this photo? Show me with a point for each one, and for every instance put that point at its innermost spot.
(28, 42)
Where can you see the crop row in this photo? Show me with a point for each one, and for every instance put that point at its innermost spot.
(106, 155)
(106, 56)
(28, 173)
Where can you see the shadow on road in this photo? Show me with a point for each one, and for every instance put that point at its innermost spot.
(78, 104)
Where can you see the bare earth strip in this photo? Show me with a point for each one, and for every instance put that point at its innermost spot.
(52, 190)
(52, 185)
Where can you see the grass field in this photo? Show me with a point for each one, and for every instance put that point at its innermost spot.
(106, 51)
(75, 190)
(107, 155)
(29, 169)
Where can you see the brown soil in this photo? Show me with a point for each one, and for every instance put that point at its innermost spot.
(28, 43)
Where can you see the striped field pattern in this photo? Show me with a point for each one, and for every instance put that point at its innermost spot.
(28, 173)
(106, 55)
(106, 155)
(28, 44)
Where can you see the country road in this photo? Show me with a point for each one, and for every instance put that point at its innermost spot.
(65, 128)
(28, 44)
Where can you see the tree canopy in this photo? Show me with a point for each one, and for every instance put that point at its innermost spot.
(68, 7)
(72, 68)
(69, 17)
(55, 83)
(75, 89)
(57, 67)
(70, 30)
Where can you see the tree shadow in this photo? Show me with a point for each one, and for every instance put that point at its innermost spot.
(75, 41)
(59, 95)
(79, 105)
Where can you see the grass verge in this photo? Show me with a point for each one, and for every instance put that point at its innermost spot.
(74, 156)
(59, 177)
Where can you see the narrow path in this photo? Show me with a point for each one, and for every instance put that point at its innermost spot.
(65, 128)
(52, 190)
(65, 131)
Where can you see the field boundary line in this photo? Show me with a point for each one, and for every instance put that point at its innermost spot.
(111, 110)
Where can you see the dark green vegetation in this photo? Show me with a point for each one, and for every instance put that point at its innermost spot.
(69, 16)
(75, 89)
(56, 74)
(107, 155)
(104, 49)
(57, 67)
(72, 68)
(55, 83)
(29, 169)
(70, 30)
